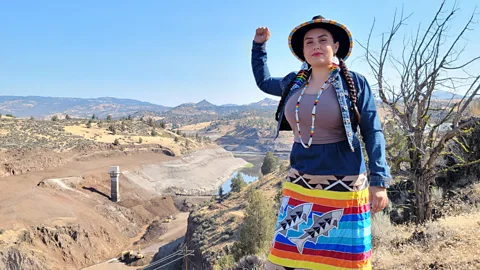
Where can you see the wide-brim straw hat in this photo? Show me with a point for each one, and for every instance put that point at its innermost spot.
(339, 32)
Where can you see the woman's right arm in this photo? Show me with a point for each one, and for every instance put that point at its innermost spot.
(266, 83)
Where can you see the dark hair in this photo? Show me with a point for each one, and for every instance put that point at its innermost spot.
(352, 92)
(281, 104)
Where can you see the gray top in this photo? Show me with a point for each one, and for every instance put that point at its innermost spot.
(328, 118)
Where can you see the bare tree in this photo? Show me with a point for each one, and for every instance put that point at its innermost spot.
(429, 61)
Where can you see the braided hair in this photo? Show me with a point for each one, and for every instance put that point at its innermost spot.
(301, 77)
(352, 92)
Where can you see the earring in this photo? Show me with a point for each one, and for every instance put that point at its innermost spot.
(335, 60)
(305, 66)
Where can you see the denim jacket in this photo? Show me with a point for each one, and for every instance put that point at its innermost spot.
(370, 126)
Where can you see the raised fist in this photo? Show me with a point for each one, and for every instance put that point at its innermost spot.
(262, 35)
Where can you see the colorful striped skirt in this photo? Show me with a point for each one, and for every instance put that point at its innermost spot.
(323, 223)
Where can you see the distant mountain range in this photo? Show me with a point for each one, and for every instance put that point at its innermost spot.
(444, 95)
(76, 107)
(438, 95)
(44, 107)
(204, 111)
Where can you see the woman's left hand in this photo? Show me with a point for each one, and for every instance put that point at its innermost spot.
(378, 198)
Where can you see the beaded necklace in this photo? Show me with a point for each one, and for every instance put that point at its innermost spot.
(312, 130)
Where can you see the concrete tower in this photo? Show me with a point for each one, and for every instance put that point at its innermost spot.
(114, 177)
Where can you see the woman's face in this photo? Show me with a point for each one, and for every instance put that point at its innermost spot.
(319, 47)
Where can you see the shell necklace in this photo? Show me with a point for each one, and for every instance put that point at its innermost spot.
(312, 130)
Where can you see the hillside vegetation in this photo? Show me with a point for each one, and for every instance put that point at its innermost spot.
(451, 242)
(29, 144)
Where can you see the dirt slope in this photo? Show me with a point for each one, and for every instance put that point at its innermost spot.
(62, 218)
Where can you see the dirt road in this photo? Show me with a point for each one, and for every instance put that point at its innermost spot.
(176, 229)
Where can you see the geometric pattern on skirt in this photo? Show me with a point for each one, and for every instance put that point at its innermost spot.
(319, 228)
(328, 182)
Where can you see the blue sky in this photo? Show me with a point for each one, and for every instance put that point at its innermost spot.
(171, 52)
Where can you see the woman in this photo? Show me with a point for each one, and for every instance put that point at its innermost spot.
(324, 217)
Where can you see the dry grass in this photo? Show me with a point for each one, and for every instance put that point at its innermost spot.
(27, 145)
(18, 133)
(228, 215)
(449, 243)
(195, 127)
(164, 138)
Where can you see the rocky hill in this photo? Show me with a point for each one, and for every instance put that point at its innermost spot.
(204, 111)
(251, 130)
(249, 127)
(267, 102)
(28, 145)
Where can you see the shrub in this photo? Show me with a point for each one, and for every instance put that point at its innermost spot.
(250, 262)
(151, 122)
(256, 232)
(270, 163)
(226, 262)
(237, 183)
(229, 231)
(220, 192)
(278, 196)
(112, 129)
(383, 232)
